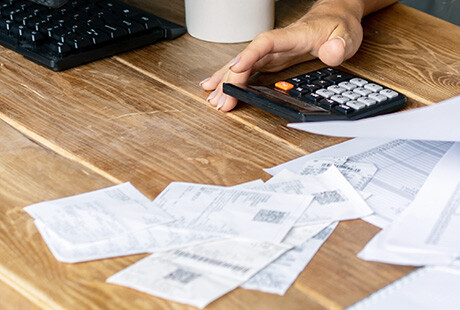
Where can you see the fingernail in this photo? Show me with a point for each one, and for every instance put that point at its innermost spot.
(212, 95)
(221, 101)
(234, 62)
(204, 81)
(343, 40)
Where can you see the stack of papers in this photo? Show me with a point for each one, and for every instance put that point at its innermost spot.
(208, 239)
(415, 195)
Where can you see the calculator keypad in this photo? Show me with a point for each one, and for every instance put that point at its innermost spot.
(336, 91)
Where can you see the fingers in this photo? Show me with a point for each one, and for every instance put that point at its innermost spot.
(268, 43)
(222, 101)
(343, 43)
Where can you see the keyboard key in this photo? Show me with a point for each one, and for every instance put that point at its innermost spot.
(359, 82)
(373, 87)
(147, 22)
(283, 85)
(340, 99)
(336, 89)
(389, 93)
(60, 48)
(77, 41)
(356, 105)
(114, 31)
(351, 95)
(33, 37)
(378, 97)
(367, 101)
(362, 91)
(325, 93)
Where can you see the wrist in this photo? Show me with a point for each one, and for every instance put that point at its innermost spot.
(348, 9)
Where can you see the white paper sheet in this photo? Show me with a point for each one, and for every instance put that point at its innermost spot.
(358, 174)
(403, 166)
(199, 274)
(259, 215)
(335, 199)
(279, 275)
(424, 289)
(156, 276)
(98, 215)
(376, 251)
(437, 122)
(155, 239)
(432, 222)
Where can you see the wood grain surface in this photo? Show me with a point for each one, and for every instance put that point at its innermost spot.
(142, 117)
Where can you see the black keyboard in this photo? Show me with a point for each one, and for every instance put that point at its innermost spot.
(321, 95)
(78, 32)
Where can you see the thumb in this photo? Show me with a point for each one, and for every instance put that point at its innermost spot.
(341, 46)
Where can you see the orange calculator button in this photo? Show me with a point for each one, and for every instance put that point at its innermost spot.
(284, 85)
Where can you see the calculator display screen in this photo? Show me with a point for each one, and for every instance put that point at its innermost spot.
(285, 100)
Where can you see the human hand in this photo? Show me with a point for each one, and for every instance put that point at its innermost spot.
(326, 31)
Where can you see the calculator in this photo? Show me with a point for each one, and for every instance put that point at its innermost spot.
(321, 95)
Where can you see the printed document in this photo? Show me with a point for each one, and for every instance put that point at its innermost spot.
(334, 198)
(277, 277)
(98, 215)
(432, 222)
(402, 168)
(199, 274)
(259, 215)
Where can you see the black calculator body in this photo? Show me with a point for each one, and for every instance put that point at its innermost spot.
(322, 95)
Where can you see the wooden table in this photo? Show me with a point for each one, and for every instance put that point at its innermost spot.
(141, 117)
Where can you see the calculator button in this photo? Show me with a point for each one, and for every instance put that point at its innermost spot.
(356, 105)
(367, 101)
(373, 87)
(337, 78)
(325, 93)
(336, 89)
(328, 103)
(307, 77)
(351, 95)
(344, 109)
(322, 83)
(319, 74)
(284, 85)
(296, 81)
(311, 87)
(359, 82)
(362, 91)
(330, 71)
(389, 93)
(340, 99)
(298, 91)
(313, 97)
(348, 85)
(378, 97)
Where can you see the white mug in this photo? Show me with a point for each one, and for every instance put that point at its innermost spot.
(228, 21)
